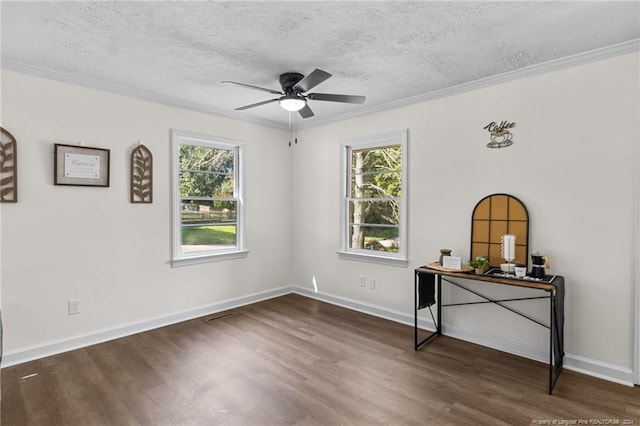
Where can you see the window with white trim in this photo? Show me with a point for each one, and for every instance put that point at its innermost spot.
(374, 206)
(208, 210)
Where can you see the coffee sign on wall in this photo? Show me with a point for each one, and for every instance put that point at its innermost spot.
(500, 134)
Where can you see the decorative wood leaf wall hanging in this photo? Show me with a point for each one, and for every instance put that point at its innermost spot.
(141, 175)
(8, 167)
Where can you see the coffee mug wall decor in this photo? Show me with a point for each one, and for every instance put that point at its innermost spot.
(499, 134)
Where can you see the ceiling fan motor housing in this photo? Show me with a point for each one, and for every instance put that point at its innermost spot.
(288, 80)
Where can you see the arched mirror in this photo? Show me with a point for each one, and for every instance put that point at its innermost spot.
(494, 216)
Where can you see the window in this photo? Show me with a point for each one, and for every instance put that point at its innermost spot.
(208, 206)
(374, 207)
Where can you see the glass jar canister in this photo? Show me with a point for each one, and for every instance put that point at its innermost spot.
(443, 253)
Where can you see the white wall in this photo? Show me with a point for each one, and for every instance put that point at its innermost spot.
(60, 243)
(572, 164)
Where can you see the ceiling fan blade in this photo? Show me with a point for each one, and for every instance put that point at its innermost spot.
(275, 92)
(350, 99)
(242, 108)
(306, 112)
(312, 80)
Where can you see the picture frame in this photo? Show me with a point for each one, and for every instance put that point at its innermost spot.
(80, 165)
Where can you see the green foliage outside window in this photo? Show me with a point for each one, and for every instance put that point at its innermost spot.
(376, 188)
(206, 172)
(207, 181)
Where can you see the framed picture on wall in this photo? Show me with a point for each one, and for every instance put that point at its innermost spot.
(80, 165)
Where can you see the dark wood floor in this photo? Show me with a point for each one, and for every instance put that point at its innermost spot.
(298, 361)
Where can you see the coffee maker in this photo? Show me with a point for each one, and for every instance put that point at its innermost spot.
(539, 263)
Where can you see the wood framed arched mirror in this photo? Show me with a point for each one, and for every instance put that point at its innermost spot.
(494, 216)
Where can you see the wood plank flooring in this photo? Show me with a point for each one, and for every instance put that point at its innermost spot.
(298, 361)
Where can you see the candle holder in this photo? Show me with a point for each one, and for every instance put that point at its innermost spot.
(508, 250)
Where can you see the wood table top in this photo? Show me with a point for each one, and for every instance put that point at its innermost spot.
(540, 285)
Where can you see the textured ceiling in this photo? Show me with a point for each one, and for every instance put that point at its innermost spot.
(179, 51)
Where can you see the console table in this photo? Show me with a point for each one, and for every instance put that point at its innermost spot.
(428, 291)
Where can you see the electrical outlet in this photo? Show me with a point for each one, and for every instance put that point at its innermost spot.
(74, 306)
(363, 281)
(371, 282)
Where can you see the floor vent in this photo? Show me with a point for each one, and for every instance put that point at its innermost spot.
(220, 316)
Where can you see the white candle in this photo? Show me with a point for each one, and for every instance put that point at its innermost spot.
(509, 247)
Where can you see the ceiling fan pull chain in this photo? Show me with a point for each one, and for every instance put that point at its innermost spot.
(290, 132)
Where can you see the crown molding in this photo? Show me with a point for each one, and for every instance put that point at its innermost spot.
(532, 70)
(131, 92)
(529, 71)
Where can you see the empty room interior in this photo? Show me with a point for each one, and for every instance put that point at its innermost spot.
(320, 213)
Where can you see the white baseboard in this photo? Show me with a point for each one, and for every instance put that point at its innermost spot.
(589, 366)
(355, 305)
(25, 354)
(600, 369)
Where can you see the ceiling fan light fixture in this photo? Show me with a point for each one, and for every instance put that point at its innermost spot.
(292, 103)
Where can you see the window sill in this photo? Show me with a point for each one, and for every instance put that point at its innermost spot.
(381, 260)
(206, 258)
